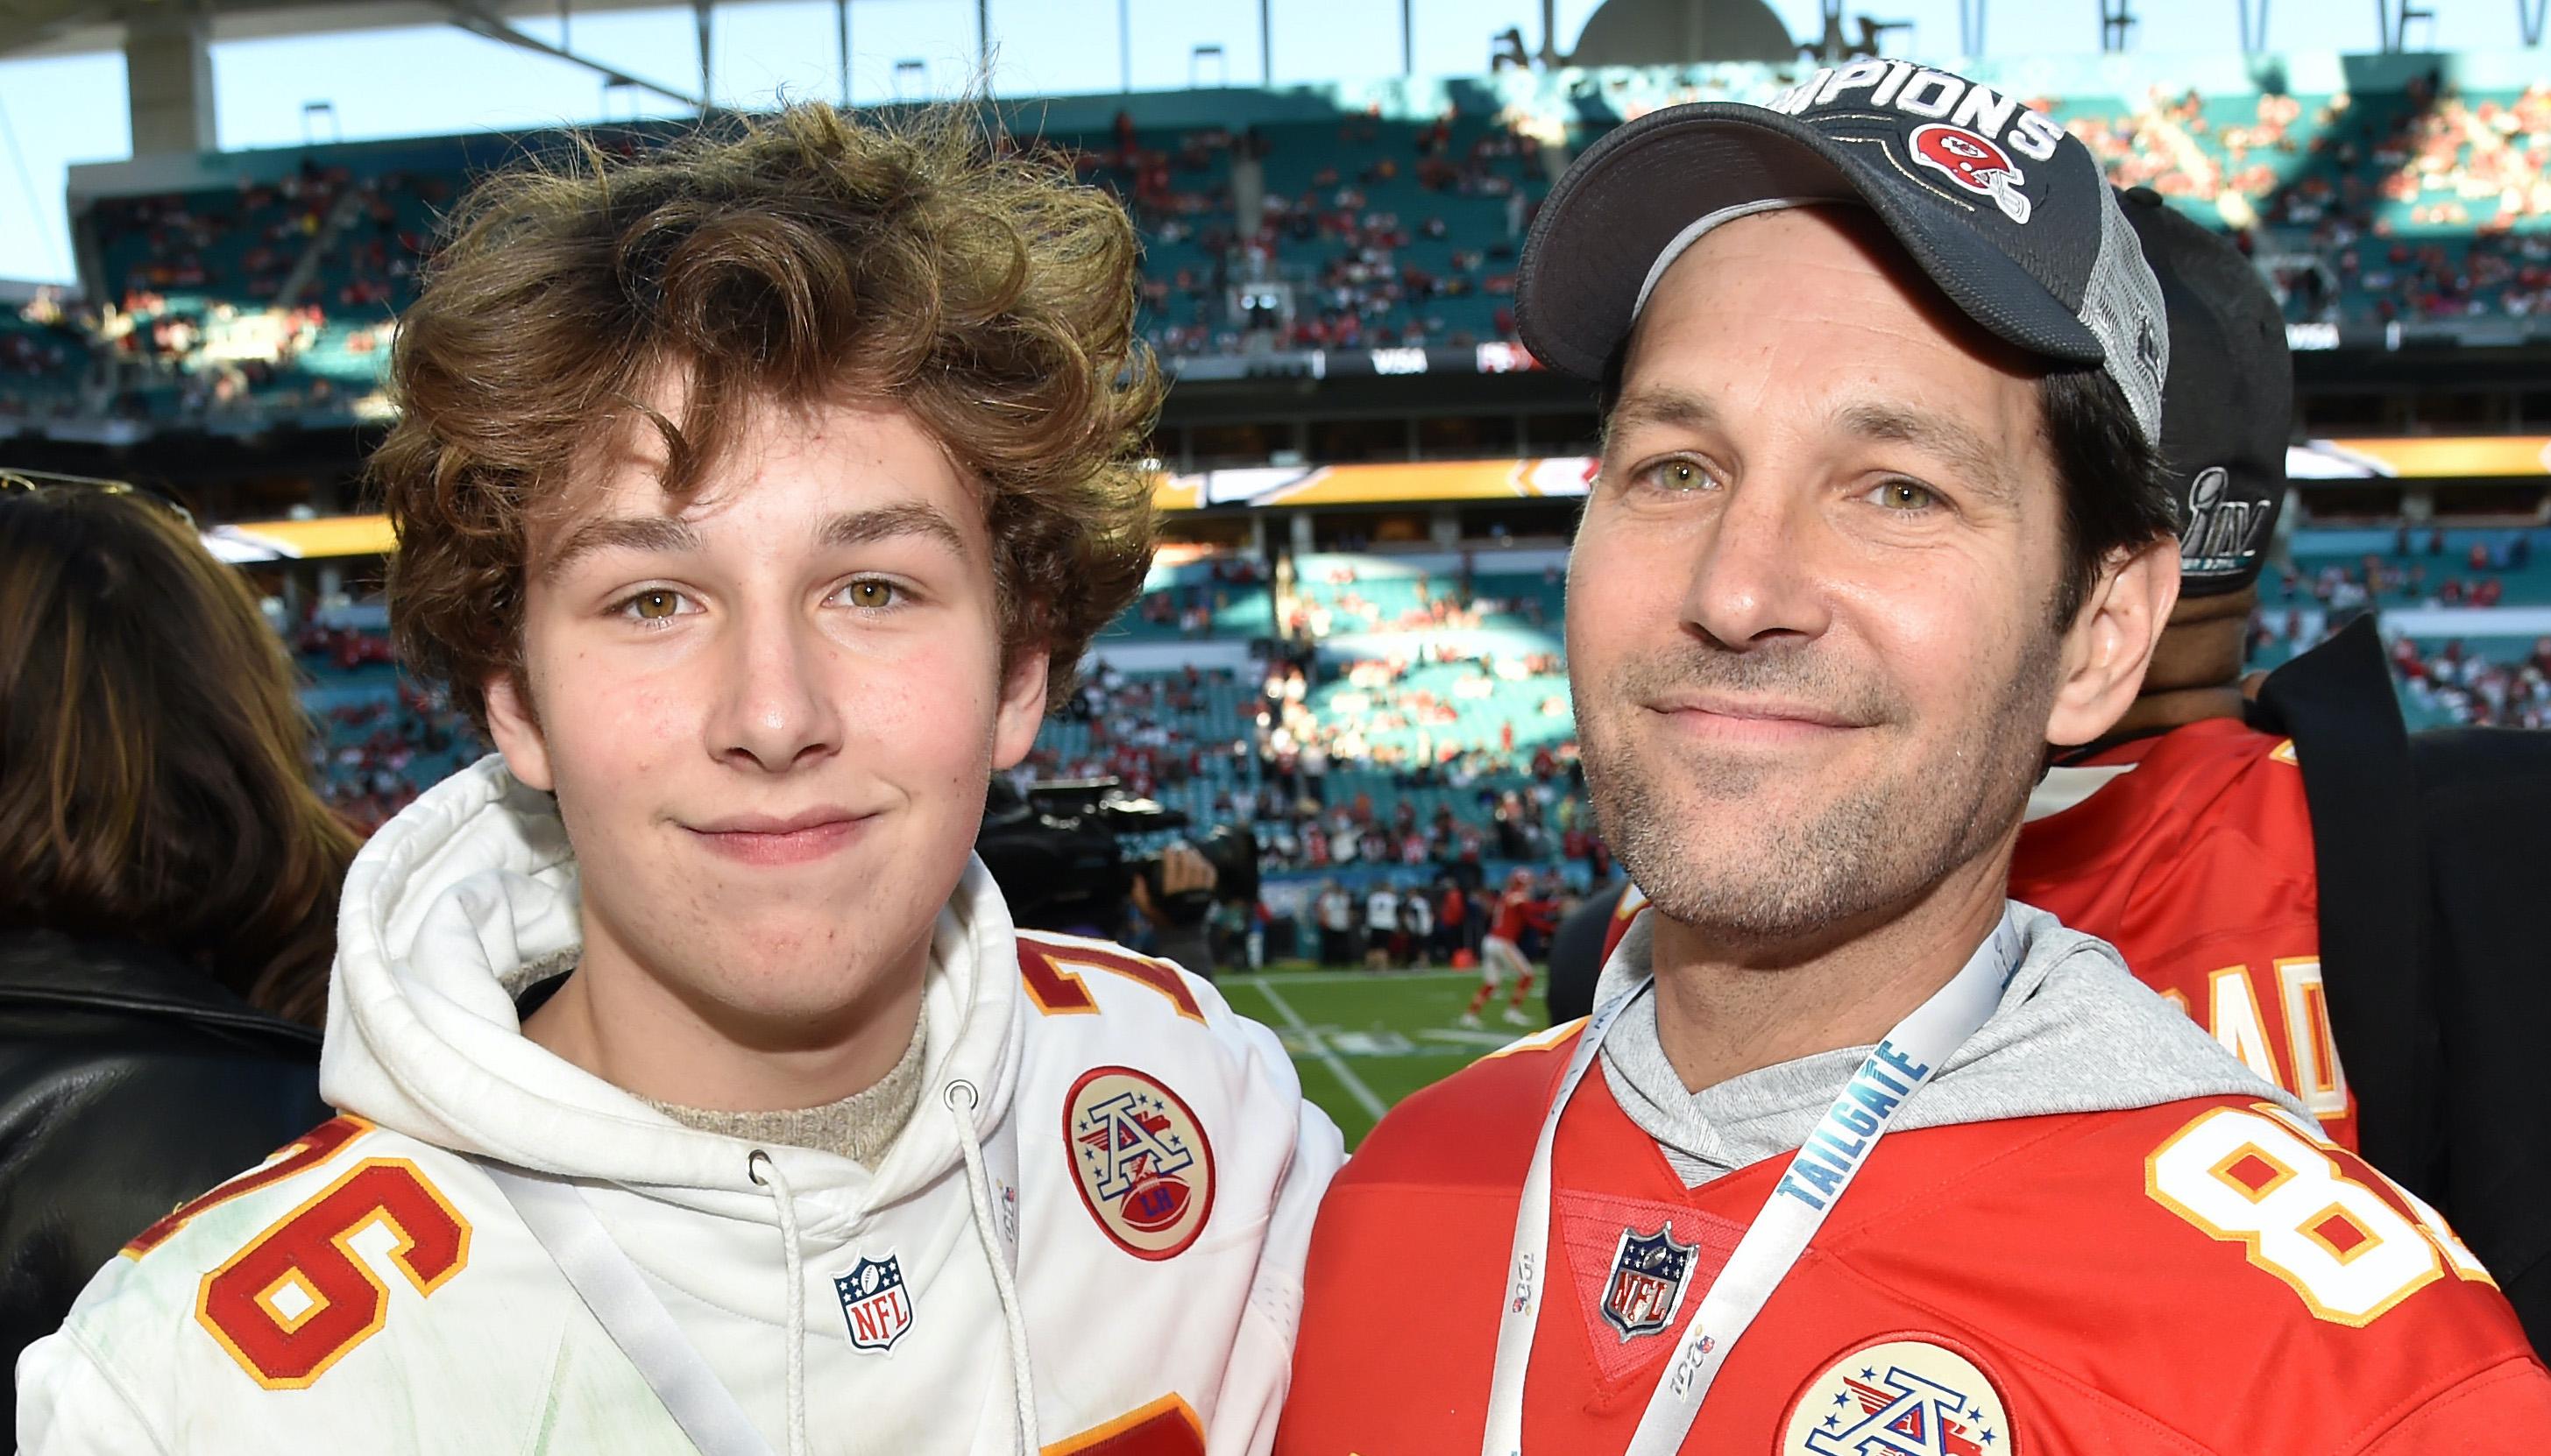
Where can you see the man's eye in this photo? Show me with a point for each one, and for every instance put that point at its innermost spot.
(656, 604)
(1679, 473)
(869, 594)
(1906, 495)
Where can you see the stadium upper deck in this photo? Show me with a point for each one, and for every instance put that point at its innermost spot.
(2377, 191)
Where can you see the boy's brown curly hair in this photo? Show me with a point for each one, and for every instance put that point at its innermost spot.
(795, 259)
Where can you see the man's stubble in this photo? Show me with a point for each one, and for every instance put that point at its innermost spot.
(1879, 842)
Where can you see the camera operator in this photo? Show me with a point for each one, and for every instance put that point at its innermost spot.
(1181, 927)
(1067, 856)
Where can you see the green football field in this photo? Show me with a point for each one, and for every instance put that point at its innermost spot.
(1364, 1040)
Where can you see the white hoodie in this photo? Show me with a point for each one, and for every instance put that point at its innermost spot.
(377, 1291)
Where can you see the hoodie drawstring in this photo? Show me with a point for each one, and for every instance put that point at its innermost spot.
(764, 1170)
(961, 1100)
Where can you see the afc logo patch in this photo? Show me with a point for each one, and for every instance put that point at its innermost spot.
(875, 1303)
(1976, 164)
(1141, 1160)
(1899, 1397)
(1650, 1272)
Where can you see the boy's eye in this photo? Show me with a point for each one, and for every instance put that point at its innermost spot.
(654, 606)
(869, 594)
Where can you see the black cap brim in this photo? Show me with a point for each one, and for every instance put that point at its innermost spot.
(1604, 226)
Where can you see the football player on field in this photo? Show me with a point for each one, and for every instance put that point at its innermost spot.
(1501, 956)
(757, 495)
(1857, 1154)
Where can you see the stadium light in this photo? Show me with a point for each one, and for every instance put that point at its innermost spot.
(2392, 20)
(2116, 25)
(2254, 32)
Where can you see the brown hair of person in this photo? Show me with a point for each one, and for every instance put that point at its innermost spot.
(793, 259)
(153, 769)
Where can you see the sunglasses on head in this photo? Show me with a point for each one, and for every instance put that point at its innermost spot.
(32, 482)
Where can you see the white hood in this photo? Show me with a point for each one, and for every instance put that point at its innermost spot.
(468, 896)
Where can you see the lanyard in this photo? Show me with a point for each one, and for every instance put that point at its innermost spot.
(1818, 1172)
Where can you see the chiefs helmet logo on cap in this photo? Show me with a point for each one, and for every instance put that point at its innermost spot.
(1973, 162)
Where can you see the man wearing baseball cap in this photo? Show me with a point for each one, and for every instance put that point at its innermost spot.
(1856, 1154)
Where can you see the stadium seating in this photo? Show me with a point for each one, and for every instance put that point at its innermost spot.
(1213, 597)
(2381, 194)
(42, 366)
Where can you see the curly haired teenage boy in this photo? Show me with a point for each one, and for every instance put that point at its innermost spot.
(757, 494)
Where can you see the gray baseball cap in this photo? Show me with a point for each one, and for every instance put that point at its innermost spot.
(2004, 211)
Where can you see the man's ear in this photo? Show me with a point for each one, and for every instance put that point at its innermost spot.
(516, 730)
(1022, 710)
(2110, 644)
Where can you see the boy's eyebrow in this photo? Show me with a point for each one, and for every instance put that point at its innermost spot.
(620, 532)
(911, 518)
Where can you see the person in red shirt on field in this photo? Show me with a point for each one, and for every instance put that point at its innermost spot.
(1857, 1154)
(1520, 910)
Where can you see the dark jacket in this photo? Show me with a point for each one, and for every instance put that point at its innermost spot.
(2431, 850)
(129, 1083)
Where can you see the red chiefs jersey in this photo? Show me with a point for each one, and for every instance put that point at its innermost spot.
(1517, 908)
(2194, 1277)
(2196, 863)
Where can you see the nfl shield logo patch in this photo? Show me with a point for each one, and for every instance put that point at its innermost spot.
(875, 1303)
(1648, 1272)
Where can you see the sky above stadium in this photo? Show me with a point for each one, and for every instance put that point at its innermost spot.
(58, 112)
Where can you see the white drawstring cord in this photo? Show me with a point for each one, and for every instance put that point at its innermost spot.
(754, 1167)
(961, 1100)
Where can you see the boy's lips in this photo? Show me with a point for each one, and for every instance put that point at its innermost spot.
(782, 840)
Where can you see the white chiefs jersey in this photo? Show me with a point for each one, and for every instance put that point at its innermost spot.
(1149, 1172)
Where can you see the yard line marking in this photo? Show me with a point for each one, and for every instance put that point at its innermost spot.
(1336, 1064)
(1463, 1036)
(1337, 978)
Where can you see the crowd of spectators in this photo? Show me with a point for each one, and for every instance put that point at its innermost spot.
(371, 759)
(2470, 689)
(2419, 204)
(244, 244)
(1404, 922)
(1147, 732)
(44, 357)
(2418, 571)
(1335, 603)
(1361, 282)
(2170, 143)
(377, 750)
(1195, 609)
